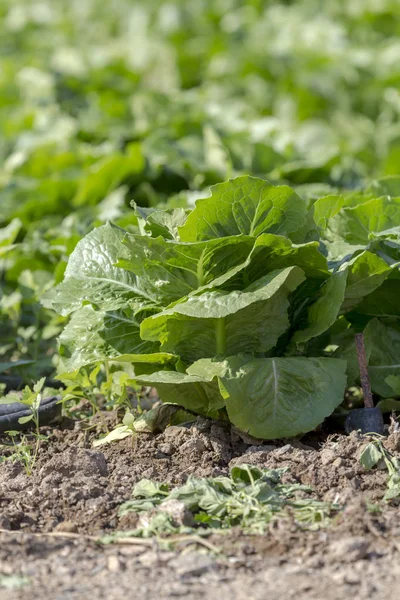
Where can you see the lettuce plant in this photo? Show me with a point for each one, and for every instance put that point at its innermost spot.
(245, 306)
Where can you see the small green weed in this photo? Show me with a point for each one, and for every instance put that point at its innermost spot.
(250, 498)
(375, 452)
(154, 420)
(101, 387)
(23, 451)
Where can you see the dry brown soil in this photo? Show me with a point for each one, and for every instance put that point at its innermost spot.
(49, 522)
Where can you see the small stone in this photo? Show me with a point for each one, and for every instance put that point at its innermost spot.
(160, 455)
(286, 449)
(338, 462)
(315, 562)
(65, 550)
(166, 448)
(4, 522)
(327, 456)
(266, 448)
(115, 564)
(174, 433)
(352, 579)
(346, 578)
(253, 458)
(195, 445)
(178, 512)
(349, 549)
(192, 565)
(66, 527)
(149, 559)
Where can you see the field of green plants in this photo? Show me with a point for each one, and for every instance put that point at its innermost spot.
(199, 210)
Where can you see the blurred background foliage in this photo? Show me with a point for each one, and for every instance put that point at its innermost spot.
(105, 102)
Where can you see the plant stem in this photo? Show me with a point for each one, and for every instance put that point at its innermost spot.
(220, 336)
(37, 445)
(362, 363)
(200, 270)
(107, 369)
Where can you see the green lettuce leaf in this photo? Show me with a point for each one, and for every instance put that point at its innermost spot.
(383, 302)
(160, 222)
(324, 311)
(349, 229)
(284, 396)
(325, 208)
(198, 393)
(386, 186)
(226, 323)
(384, 356)
(271, 252)
(92, 277)
(8, 236)
(93, 336)
(245, 205)
(170, 270)
(394, 382)
(366, 273)
(5, 366)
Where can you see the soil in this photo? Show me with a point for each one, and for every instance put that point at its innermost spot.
(50, 521)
